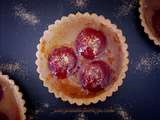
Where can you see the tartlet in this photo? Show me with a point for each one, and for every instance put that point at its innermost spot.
(11, 102)
(83, 43)
(150, 19)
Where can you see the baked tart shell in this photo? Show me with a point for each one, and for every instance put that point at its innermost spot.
(147, 30)
(18, 95)
(43, 71)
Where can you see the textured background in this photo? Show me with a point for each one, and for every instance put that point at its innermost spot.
(22, 23)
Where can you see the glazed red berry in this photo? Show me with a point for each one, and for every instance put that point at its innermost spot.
(1, 93)
(62, 61)
(90, 43)
(3, 116)
(95, 76)
(156, 22)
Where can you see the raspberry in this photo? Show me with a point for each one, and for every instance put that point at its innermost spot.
(90, 43)
(95, 75)
(62, 61)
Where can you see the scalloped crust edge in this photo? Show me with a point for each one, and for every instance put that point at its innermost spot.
(18, 94)
(144, 25)
(102, 97)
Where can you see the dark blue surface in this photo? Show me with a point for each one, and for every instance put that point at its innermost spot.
(139, 96)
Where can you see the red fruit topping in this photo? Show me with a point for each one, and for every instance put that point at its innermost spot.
(3, 116)
(95, 75)
(90, 43)
(156, 22)
(1, 93)
(62, 61)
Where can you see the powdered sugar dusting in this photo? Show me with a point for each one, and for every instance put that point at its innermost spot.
(79, 3)
(10, 67)
(117, 109)
(25, 15)
(123, 113)
(148, 62)
(46, 105)
(14, 68)
(41, 108)
(80, 116)
(125, 7)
